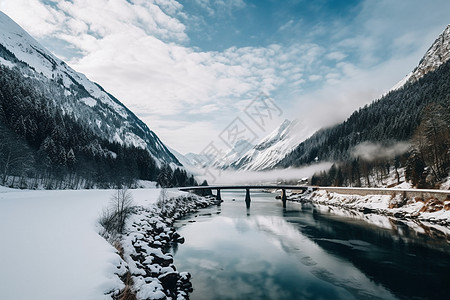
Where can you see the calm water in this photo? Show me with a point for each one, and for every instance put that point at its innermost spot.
(306, 252)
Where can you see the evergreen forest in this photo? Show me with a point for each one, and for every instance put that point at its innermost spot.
(417, 114)
(44, 144)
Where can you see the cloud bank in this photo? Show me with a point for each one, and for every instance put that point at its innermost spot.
(214, 176)
(373, 151)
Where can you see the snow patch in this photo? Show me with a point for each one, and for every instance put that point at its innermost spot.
(387, 205)
(91, 102)
(6, 63)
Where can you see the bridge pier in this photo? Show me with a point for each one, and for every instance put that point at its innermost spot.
(247, 188)
(247, 198)
(283, 197)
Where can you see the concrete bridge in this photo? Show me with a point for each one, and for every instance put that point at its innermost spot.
(442, 195)
(247, 189)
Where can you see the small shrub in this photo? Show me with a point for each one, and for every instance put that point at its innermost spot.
(163, 203)
(113, 218)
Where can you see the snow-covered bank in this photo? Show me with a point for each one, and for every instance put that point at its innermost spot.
(51, 248)
(430, 210)
(148, 233)
(420, 228)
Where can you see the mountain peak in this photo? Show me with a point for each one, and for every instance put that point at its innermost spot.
(107, 116)
(437, 54)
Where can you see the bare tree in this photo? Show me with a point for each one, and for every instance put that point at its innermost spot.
(432, 139)
(114, 217)
(162, 201)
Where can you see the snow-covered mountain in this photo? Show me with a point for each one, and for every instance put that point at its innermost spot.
(240, 148)
(193, 160)
(271, 149)
(267, 153)
(198, 160)
(107, 116)
(437, 54)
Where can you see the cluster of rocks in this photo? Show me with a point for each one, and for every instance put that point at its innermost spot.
(396, 206)
(149, 235)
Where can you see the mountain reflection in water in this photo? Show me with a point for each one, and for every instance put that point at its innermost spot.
(309, 252)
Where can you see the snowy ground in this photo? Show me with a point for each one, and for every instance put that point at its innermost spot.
(51, 249)
(50, 246)
(429, 210)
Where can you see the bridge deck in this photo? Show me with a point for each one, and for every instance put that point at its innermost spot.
(240, 187)
(247, 188)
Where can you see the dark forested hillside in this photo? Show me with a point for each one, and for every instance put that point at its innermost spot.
(393, 118)
(59, 129)
(396, 117)
(42, 143)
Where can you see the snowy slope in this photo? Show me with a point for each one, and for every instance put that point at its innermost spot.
(270, 150)
(240, 148)
(198, 160)
(19, 49)
(436, 55)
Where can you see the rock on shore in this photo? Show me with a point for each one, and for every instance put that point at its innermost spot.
(148, 235)
(430, 210)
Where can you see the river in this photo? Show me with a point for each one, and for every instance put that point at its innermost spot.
(309, 252)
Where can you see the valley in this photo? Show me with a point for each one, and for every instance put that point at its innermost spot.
(145, 147)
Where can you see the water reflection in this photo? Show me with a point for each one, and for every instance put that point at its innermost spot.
(408, 262)
(235, 260)
(306, 252)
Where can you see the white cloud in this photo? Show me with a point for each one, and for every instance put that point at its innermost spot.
(144, 71)
(372, 151)
(336, 55)
(385, 42)
(214, 176)
(99, 18)
(205, 109)
(286, 25)
(346, 91)
(186, 135)
(220, 7)
(38, 19)
(314, 77)
(138, 50)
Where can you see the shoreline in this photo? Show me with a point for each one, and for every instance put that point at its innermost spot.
(151, 272)
(392, 203)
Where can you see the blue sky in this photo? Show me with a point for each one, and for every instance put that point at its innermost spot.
(261, 23)
(189, 68)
